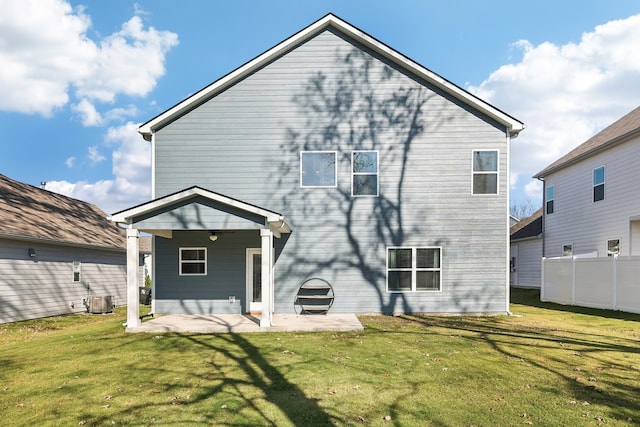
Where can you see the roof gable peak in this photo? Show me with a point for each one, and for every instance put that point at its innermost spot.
(512, 125)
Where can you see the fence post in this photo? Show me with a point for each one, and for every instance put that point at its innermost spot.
(573, 280)
(615, 282)
(542, 280)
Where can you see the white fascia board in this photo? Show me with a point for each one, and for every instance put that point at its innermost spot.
(514, 126)
(126, 217)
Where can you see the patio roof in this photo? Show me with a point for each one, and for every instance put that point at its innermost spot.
(136, 216)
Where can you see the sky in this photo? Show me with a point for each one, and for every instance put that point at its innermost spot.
(77, 78)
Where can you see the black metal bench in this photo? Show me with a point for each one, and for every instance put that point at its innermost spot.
(315, 296)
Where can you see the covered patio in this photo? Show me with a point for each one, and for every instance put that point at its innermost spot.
(203, 211)
(237, 323)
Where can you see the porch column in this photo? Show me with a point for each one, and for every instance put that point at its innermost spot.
(266, 244)
(133, 304)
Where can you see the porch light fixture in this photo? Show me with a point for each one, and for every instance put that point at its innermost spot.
(213, 236)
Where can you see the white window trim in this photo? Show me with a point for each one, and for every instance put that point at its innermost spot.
(377, 173)
(553, 199)
(73, 271)
(414, 269)
(335, 172)
(604, 181)
(497, 172)
(181, 261)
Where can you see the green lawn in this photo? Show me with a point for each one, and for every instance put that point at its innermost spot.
(547, 366)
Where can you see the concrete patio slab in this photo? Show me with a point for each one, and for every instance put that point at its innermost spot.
(236, 323)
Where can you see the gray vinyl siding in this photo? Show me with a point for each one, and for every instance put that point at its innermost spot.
(43, 286)
(226, 273)
(199, 214)
(246, 142)
(587, 225)
(529, 263)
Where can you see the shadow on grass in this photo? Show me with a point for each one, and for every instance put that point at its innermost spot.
(559, 352)
(236, 386)
(531, 297)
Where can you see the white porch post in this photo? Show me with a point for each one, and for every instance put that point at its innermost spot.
(133, 304)
(266, 244)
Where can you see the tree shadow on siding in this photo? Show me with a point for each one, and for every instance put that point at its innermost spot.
(373, 106)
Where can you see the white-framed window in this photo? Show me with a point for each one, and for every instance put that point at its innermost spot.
(567, 250)
(550, 195)
(364, 173)
(414, 269)
(318, 169)
(77, 269)
(485, 171)
(598, 184)
(193, 261)
(613, 247)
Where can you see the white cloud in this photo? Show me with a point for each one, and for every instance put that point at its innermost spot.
(88, 113)
(45, 52)
(565, 94)
(70, 162)
(94, 155)
(131, 169)
(130, 62)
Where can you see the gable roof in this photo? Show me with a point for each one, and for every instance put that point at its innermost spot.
(31, 213)
(128, 216)
(618, 132)
(528, 227)
(513, 125)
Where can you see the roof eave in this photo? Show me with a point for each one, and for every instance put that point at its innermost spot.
(613, 142)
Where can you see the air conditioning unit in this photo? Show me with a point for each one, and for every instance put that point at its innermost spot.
(100, 304)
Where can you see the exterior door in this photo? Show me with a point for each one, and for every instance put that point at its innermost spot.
(254, 280)
(513, 266)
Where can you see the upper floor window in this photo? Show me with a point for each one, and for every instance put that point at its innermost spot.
(318, 169)
(364, 173)
(549, 197)
(485, 172)
(193, 261)
(414, 269)
(598, 184)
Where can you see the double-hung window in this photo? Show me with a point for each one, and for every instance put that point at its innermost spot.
(77, 268)
(364, 173)
(485, 172)
(414, 269)
(549, 198)
(318, 169)
(193, 261)
(598, 184)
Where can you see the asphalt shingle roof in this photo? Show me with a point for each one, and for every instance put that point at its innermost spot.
(31, 212)
(528, 227)
(619, 131)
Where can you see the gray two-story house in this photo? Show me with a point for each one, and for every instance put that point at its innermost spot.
(334, 157)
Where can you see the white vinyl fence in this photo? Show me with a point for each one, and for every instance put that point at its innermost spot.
(611, 283)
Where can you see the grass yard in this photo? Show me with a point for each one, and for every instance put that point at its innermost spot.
(548, 366)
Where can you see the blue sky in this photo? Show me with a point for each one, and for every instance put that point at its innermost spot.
(78, 77)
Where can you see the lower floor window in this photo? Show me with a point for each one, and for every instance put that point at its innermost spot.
(414, 269)
(193, 261)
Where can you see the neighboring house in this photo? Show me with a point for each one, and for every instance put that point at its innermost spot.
(329, 156)
(592, 196)
(55, 254)
(526, 251)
